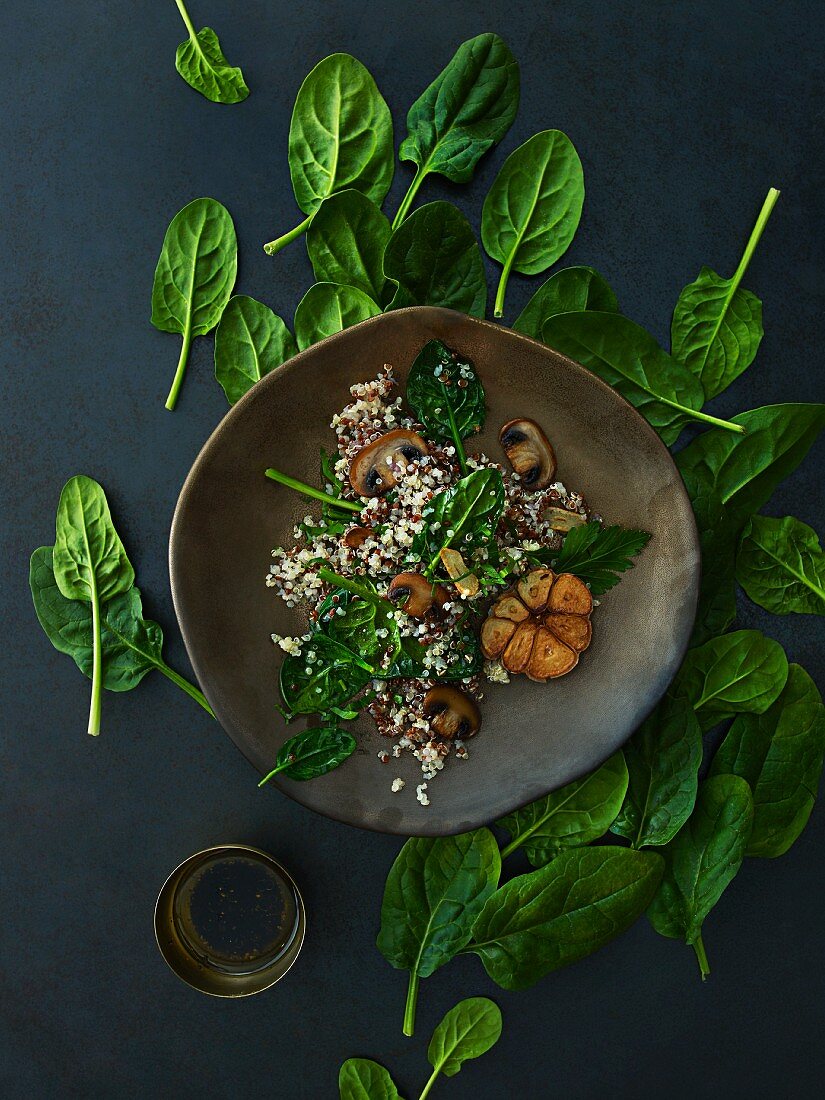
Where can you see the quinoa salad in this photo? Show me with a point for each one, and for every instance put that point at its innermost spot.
(429, 571)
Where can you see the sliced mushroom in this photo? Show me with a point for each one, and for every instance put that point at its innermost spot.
(529, 452)
(356, 536)
(374, 469)
(415, 594)
(452, 712)
(465, 581)
(562, 520)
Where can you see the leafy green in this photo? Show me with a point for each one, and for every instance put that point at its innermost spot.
(250, 341)
(434, 260)
(346, 243)
(194, 276)
(90, 564)
(363, 1079)
(701, 860)
(312, 753)
(663, 758)
(744, 470)
(325, 675)
(464, 516)
(468, 1030)
(667, 394)
(548, 918)
(779, 755)
(201, 63)
(570, 817)
(571, 290)
(467, 109)
(532, 211)
(327, 308)
(781, 566)
(435, 890)
(340, 137)
(718, 534)
(597, 555)
(356, 624)
(717, 324)
(446, 395)
(738, 673)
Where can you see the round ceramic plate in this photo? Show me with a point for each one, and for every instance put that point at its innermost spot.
(534, 737)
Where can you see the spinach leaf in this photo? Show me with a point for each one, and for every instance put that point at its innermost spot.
(717, 324)
(250, 341)
(744, 470)
(327, 308)
(346, 243)
(663, 758)
(201, 63)
(779, 755)
(435, 890)
(312, 753)
(468, 1030)
(446, 395)
(597, 555)
(569, 817)
(781, 566)
(363, 1079)
(571, 290)
(718, 534)
(434, 260)
(463, 659)
(194, 276)
(325, 675)
(700, 861)
(546, 919)
(738, 673)
(340, 137)
(467, 109)
(464, 516)
(667, 394)
(90, 564)
(532, 211)
(366, 627)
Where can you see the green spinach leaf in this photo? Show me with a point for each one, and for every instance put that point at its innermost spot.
(312, 753)
(325, 675)
(701, 860)
(663, 758)
(718, 534)
(597, 555)
(435, 890)
(717, 324)
(744, 470)
(781, 566)
(464, 516)
(346, 243)
(363, 1079)
(667, 394)
(90, 564)
(340, 137)
(327, 308)
(434, 260)
(468, 1030)
(571, 290)
(201, 63)
(779, 755)
(366, 627)
(446, 395)
(250, 341)
(467, 109)
(738, 673)
(570, 817)
(546, 919)
(194, 276)
(532, 211)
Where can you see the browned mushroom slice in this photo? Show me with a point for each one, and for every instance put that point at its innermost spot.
(562, 520)
(375, 468)
(357, 536)
(574, 630)
(452, 712)
(517, 654)
(415, 594)
(550, 657)
(529, 452)
(508, 607)
(570, 595)
(534, 588)
(495, 634)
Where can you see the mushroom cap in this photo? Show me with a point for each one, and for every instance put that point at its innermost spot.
(415, 594)
(356, 536)
(452, 712)
(540, 626)
(529, 452)
(372, 471)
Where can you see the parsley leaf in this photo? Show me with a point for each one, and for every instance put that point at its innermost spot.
(598, 554)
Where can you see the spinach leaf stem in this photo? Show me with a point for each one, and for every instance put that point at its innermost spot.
(409, 1007)
(185, 17)
(97, 662)
(459, 445)
(281, 242)
(409, 198)
(184, 685)
(172, 399)
(310, 491)
(699, 948)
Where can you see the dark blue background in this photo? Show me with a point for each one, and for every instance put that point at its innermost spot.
(684, 115)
